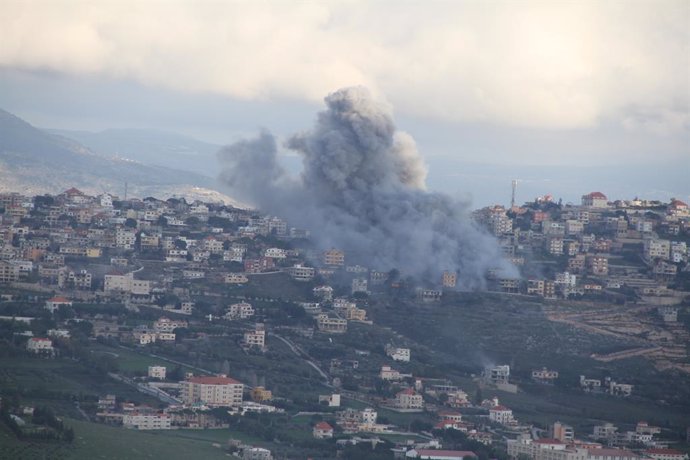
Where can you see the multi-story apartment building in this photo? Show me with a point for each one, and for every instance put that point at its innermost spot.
(334, 257)
(220, 391)
(332, 325)
(657, 249)
(144, 421)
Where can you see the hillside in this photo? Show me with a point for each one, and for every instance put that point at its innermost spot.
(33, 161)
(150, 147)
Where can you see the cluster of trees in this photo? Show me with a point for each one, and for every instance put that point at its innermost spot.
(45, 426)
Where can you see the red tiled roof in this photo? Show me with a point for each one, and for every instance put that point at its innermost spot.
(323, 426)
(59, 299)
(499, 408)
(678, 204)
(39, 339)
(213, 380)
(445, 453)
(663, 451)
(612, 453)
(597, 195)
(407, 391)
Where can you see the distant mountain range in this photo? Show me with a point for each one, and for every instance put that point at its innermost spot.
(34, 161)
(150, 147)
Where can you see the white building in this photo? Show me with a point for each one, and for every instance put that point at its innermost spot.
(544, 449)
(116, 282)
(157, 372)
(332, 325)
(256, 337)
(595, 200)
(301, 273)
(40, 345)
(657, 249)
(275, 253)
(408, 399)
(501, 414)
(139, 421)
(398, 354)
(164, 324)
(55, 303)
(360, 285)
(236, 278)
(256, 453)
(241, 310)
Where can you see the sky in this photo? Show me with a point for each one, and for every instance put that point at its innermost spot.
(562, 95)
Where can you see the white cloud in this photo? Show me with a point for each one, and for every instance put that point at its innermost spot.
(537, 64)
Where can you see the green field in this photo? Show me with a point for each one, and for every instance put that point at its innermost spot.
(95, 441)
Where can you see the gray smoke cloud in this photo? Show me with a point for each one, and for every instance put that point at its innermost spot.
(362, 189)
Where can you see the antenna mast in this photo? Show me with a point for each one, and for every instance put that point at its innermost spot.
(512, 198)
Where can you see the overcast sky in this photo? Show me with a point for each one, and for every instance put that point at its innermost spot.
(517, 82)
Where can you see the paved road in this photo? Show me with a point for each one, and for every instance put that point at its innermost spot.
(302, 354)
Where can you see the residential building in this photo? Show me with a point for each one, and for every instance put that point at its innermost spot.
(449, 279)
(439, 454)
(256, 337)
(611, 454)
(398, 354)
(666, 454)
(145, 421)
(256, 453)
(606, 431)
(40, 346)
(301, 273)
(9, 273)
(236, 278)
(543, 449)
(218, 391)
(544, 375)
(275, 253)
(595, 200)
(164, 324)
(54, 303)
(360, 285)
(657, 249)
(388, 373)
(322, 430)
(324, 293)
(598, 265)
(408, 399)
(563, 432)
(260, 394)
(332, 400)
(497, 374)
(241, 310)
(501, 414)
(334, 257)
(157, 372)
(333, 325)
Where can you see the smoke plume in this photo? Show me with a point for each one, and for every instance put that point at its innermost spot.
(362, 190)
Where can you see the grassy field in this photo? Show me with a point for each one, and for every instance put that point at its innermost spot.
(54, 381)
(131, 362)
(102, 442)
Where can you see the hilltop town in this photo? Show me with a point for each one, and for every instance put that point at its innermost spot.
(179, 317)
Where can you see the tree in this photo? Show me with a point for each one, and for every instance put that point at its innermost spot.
(131, 223)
